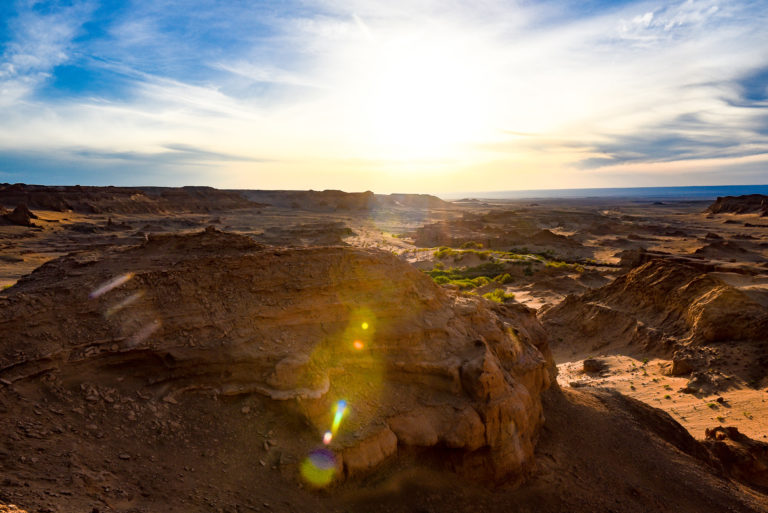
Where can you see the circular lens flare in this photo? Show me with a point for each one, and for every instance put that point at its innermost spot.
(319, 467)
(358, 344)
(364, 325)
(327, 437)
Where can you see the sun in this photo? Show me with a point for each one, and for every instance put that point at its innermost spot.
(425, 99)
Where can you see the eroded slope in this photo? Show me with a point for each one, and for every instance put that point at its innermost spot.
(143, 335)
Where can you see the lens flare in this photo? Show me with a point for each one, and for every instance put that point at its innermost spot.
(364, 325)
(341, 408)
(144, 333)
(319, 467)
(124, 303)
(327, 437)
(358, 344)
(111, 284)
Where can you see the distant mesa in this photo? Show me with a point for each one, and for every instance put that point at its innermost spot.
(122, 200)
(747, 204)
(340, 201)
(194, 199)
(322, 201)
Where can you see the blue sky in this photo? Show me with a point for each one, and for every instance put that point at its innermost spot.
(417, 95)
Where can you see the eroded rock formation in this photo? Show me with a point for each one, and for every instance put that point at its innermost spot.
(21, 216)
(746, 204)
(741, 457)
(668, 308)
(304, 327)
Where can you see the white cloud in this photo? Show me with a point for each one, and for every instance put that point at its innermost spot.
(40, 42)
(363, 86)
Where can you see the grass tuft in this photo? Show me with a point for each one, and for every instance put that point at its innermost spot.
(499, 296)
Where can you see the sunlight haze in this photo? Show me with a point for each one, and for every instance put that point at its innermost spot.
(387, 96)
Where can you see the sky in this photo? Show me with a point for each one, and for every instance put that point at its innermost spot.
(390, 96)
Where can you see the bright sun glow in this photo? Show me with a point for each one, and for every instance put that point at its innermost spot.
(422, 98)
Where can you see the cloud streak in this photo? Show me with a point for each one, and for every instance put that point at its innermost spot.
(292, 94)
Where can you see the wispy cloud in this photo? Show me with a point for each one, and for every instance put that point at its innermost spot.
(351, 93)
(41, 39)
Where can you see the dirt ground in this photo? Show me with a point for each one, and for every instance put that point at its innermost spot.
(208, 453)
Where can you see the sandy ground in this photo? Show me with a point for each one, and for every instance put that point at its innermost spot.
(645, 380)
(23, 249)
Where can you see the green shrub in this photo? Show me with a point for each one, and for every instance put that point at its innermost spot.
(565, 265)
(503, 278)
(445, 251)
(472, 245)
(471, 277)
(499, 296)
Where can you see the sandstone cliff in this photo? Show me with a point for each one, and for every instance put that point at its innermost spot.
(668, 308)
(216, 313)
(746, 204)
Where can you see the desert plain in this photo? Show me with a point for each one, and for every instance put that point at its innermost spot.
(194, 349)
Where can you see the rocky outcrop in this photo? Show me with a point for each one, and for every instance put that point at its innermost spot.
(728, 250)
(21, 216)
(742, 458)
(667, 308)
(308, 234)
(303, 328)
(746, 204)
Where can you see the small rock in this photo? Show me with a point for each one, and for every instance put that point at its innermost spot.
(593, 365)
(124, 456)
(245, 410)
(170, 399)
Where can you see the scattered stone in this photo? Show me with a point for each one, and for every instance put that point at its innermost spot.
(594, 366)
